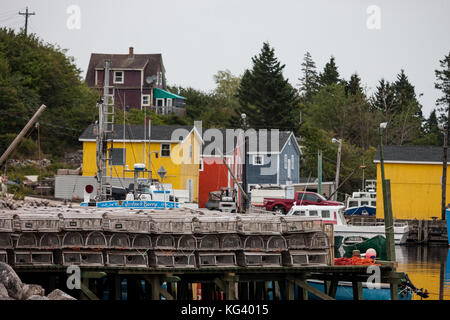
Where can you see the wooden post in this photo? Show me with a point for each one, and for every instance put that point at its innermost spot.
(333, 288)
(357, 290)
(389, 224)
(394, 291)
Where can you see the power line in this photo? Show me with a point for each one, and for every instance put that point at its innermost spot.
(26, 14)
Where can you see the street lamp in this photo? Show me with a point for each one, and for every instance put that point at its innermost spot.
(338, 165)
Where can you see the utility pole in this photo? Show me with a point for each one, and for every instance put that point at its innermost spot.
(387, 204)
(338, 165)
(444, 167)
(244, 169)
(26, 14)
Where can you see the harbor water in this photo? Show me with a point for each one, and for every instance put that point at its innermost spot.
(428, 267)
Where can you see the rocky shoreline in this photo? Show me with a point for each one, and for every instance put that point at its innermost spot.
(12, 288)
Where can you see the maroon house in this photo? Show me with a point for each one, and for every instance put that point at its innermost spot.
(138, 80)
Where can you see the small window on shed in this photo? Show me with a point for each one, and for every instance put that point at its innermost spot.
(118, 156)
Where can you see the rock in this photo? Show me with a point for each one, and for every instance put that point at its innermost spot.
(29, 290)
(3, 291)
(6, 298)
(59, 295)
(36, 297)
(11, 281)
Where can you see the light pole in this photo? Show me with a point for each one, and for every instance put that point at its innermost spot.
(387, 204)
(338, 165)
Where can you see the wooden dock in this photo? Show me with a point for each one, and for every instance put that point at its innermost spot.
(229, 283)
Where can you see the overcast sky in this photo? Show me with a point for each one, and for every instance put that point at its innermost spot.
(199, 37)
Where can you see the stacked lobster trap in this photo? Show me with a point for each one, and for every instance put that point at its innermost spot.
(175, 238)
(309, 241)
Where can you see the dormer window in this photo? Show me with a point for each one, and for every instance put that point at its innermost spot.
(118, 77)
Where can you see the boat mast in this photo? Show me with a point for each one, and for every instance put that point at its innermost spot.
(105, 131)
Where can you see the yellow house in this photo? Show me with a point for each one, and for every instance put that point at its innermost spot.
(415, 174)
(176, 148)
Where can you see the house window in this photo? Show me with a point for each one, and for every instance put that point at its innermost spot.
(117, 156)
(118, 76)
(292, 162)
(258, 160)
(168, 102)
(145, 99)
(159, 78)
(190, 151)
(285, 161)
(200, 165)
(165, 150)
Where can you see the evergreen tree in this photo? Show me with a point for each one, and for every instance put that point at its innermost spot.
(353, 87)
(384, 97)
(330, 74)
(443, 84)
(268, 100)
(406, 95)
(309, 81)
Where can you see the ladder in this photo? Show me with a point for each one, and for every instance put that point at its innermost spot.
(105, 135)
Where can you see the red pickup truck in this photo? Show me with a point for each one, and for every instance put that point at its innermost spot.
(301, 198)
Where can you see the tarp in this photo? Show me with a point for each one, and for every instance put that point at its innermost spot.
(163, 94)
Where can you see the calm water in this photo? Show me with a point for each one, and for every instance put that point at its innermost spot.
(428, 267)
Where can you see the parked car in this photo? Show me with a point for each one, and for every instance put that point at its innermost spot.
(301, 198)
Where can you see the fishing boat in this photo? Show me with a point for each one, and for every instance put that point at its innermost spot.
(335, 215)
(362, 203)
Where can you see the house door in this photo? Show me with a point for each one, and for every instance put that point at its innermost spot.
(190, 187)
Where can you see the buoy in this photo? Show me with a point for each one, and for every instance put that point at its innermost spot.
(371, 253)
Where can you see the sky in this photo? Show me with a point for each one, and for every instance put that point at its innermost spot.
(197, 38)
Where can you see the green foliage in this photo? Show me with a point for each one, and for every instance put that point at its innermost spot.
(330, 74)
(27, 147)
(309, 82)
(34, 73)
(268, 100)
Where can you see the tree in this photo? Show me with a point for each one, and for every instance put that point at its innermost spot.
(443, 84)
(34, 73)
(353, 87)
(405, 94)
(384, 97)
(309, 85)
(268, 100)
(330, 74)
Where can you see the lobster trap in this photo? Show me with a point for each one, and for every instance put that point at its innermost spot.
(164, 242)
(141, 241)
(126, 258)
(258, 225)
(37, 222)
(187, 242)
(295, 224)
(33, 257)
(171, 259)
(83, 258)
(216, 259)
(3, 256)
(209, 242)
(6, 241)
(6, 221)
(249, 259)
(76, 221)
(120, 241)
(27, 240)
(214, 224)
(72, 240)
(50, 240)
(96, 240)
(230, 242)
(171, 224)
(126, 222)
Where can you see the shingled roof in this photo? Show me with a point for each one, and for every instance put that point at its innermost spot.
(151, 63)
(283, 137)
(137, 132)
(411, 154)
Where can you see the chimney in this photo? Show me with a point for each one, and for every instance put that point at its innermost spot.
(131, 52)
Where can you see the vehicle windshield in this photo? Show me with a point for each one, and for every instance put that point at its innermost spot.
(321, 197)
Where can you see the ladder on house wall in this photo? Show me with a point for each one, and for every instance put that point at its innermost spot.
(105, 132)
